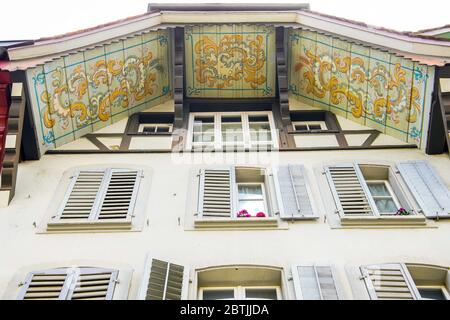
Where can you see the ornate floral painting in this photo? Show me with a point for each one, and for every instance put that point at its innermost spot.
(88, 90)
(231, 61)
(369, 86)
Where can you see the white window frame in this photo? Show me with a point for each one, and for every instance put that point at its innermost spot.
(218, 143)
(239, 291)
(156, 125)
(391, 192)
(264, 197)
(322, 124)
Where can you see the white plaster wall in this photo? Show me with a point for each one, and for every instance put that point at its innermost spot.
(164, 237)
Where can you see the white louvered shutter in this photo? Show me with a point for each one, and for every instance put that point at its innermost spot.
(166, 281)
(215, 193)
(430, 192)
(350, 191)
(294, 193)
(93, 284)
(83, 195)
(389, 282)
(120, 196)
(70, 284)
(105, 195)
(313, 282)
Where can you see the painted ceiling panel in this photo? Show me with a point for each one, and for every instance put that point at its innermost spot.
(368, 86)
(230, 61)
(86, 91)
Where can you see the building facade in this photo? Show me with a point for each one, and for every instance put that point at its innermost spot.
(226, 152)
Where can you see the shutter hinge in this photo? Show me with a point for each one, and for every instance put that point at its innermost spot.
(290, 278)
(337, 211)
(324, 172)
(363, 277)
(21, 284)
(117, 281)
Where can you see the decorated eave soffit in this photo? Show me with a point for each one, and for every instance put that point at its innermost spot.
(422, 49)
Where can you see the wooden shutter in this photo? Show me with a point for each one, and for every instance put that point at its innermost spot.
(294, 193)
(215, 193)
(120, 195)
(349, 190)
(165, 281)
(430, 192)
(70, 284)
(93, 284)
(82, 197)
(313, 282)
(389, 282)
(108, 194)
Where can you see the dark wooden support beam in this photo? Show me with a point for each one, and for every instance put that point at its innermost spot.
(179, 130)
(286, 141)
(12, 144)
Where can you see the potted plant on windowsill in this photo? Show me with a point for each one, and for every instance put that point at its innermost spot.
(404, 212)
(244, 214)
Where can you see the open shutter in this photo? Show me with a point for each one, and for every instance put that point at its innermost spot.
(313, 282)
(389, 282)
(215, 192)
(120, 195)
(349, 190)
(430, 192)
(294, 193)
(83, 195)
(93, 284)
(50, 284)
(165, 281)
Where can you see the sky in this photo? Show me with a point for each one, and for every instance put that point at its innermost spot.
(28, 19)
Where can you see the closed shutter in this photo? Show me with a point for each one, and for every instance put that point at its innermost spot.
(93, 284)
(70, 284)
(294, 193)
(215, 193)
(389, 282)
(108, 194)
(313, 282)
(83, 195)
(349, 190)
(120, 196)
(430, 192)
(165, 281)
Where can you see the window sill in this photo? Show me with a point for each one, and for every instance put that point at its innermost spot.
(417, 220)
(122, 225)
(238, 223)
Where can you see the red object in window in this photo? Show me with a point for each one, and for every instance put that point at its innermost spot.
(5, 81)
(260, 215)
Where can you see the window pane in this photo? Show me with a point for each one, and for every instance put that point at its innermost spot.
(252, 206)
(258, 118)
(205, 137)
(386, 205)
(149, 129)
(204, 124)
(232, 129)
(432, 293)
(308, 283)
(301, 127)
(315, 127)
(162, 129)
(250, 191)
(218, 294)
(378, 189)
(261, 294)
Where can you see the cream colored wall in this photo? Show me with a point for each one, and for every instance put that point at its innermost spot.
(165, 237)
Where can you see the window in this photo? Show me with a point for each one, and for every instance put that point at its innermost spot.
(155, 128)
(251, 198)
(372, 192)
(231, 130)
(70, 284)
(236, 193)
(240, 283)
(383, 196)
(102, 199)
(309, 126)
(406, 281)
(240, 293)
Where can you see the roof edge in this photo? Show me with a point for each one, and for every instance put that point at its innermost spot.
(227, 7)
